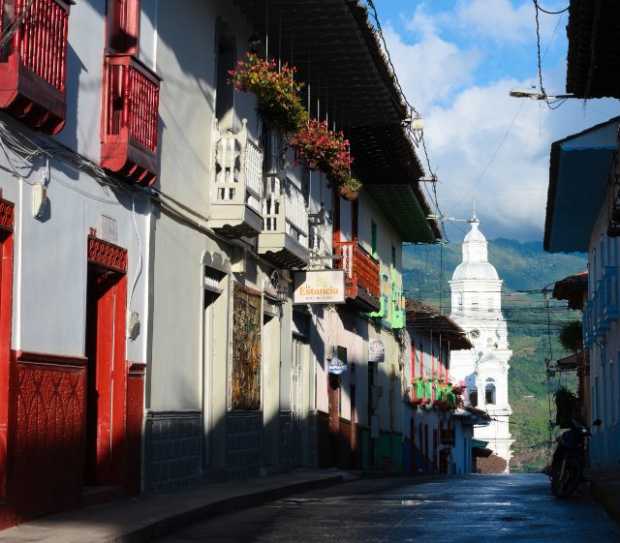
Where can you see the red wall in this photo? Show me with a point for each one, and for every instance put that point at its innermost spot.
(135, 410)
(46, 453)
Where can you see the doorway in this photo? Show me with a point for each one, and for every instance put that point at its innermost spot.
(106, 377)
(299, 399)
(213, 286)
(333, 398)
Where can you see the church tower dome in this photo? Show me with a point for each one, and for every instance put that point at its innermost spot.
(475, 263)
(476, 298)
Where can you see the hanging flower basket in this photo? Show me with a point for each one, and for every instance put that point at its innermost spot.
(571, 336)
(350, 189)
(279, 103)
(276, 91)
(323, 149)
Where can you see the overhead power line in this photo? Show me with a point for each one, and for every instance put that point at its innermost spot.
(412, 108)
(548, 12)
(551, 103)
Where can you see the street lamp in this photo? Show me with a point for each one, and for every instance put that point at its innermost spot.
(535, 95)
(415, 123)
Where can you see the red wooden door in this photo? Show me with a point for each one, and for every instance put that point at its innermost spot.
(107, 378)
(333, 391)
(6, 282)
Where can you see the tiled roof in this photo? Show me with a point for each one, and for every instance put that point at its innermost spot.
(594, 49)
(423, 317)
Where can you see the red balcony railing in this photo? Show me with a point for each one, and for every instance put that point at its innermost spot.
(33, 64)
(361, 269)
(130, 119)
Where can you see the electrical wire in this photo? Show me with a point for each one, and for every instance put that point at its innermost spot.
(422, 140)
(538, 6)
(538, 53)
(551, 103)
(140, 264)
(501, 143)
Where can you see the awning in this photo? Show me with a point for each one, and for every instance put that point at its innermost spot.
(481, 452)
(425, 318)
(479, 448)
(573, 288)
(472, 416)
(570, 363)
(578, 178)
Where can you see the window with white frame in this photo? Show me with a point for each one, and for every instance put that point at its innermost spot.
(489, 391)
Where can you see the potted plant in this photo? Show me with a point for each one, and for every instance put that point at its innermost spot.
(417, 393)
(350, 188)
(276, 91)
(571, 336)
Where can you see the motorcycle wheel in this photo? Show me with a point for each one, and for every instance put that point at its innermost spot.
(565, 477)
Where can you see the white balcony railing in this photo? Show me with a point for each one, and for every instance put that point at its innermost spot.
(284, 209)
(239, 170)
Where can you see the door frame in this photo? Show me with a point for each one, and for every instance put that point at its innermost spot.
(107, 264)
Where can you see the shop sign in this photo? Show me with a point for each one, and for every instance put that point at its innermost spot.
(336, 366)
(319, 287)
(376, 351)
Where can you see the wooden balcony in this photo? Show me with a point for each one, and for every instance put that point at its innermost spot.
(362, 280)
(33, 63)
(237, 189)
(284, 238)
(130, 119)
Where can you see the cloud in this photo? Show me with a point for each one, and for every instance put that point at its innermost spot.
(500, 21)
(432, 69)
(495, 149)
(465, 140)
(484, 144)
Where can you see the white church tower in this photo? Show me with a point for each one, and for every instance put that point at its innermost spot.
(477, 307)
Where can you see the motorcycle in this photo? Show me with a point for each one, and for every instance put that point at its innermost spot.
(569, 460)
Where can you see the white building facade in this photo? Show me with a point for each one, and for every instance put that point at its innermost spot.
(476, 297)
(152, 227)
(571, 226)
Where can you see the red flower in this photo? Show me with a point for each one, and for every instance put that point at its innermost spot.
(277, 92)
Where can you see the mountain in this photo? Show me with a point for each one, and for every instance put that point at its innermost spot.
(533, 326)
(522, 266)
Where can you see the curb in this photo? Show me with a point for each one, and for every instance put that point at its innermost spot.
(165, 526)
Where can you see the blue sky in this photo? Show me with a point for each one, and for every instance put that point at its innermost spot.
(458, 60)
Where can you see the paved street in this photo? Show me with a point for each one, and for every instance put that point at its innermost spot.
(477, 509)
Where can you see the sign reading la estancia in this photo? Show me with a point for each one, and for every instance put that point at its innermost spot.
(319, 287)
